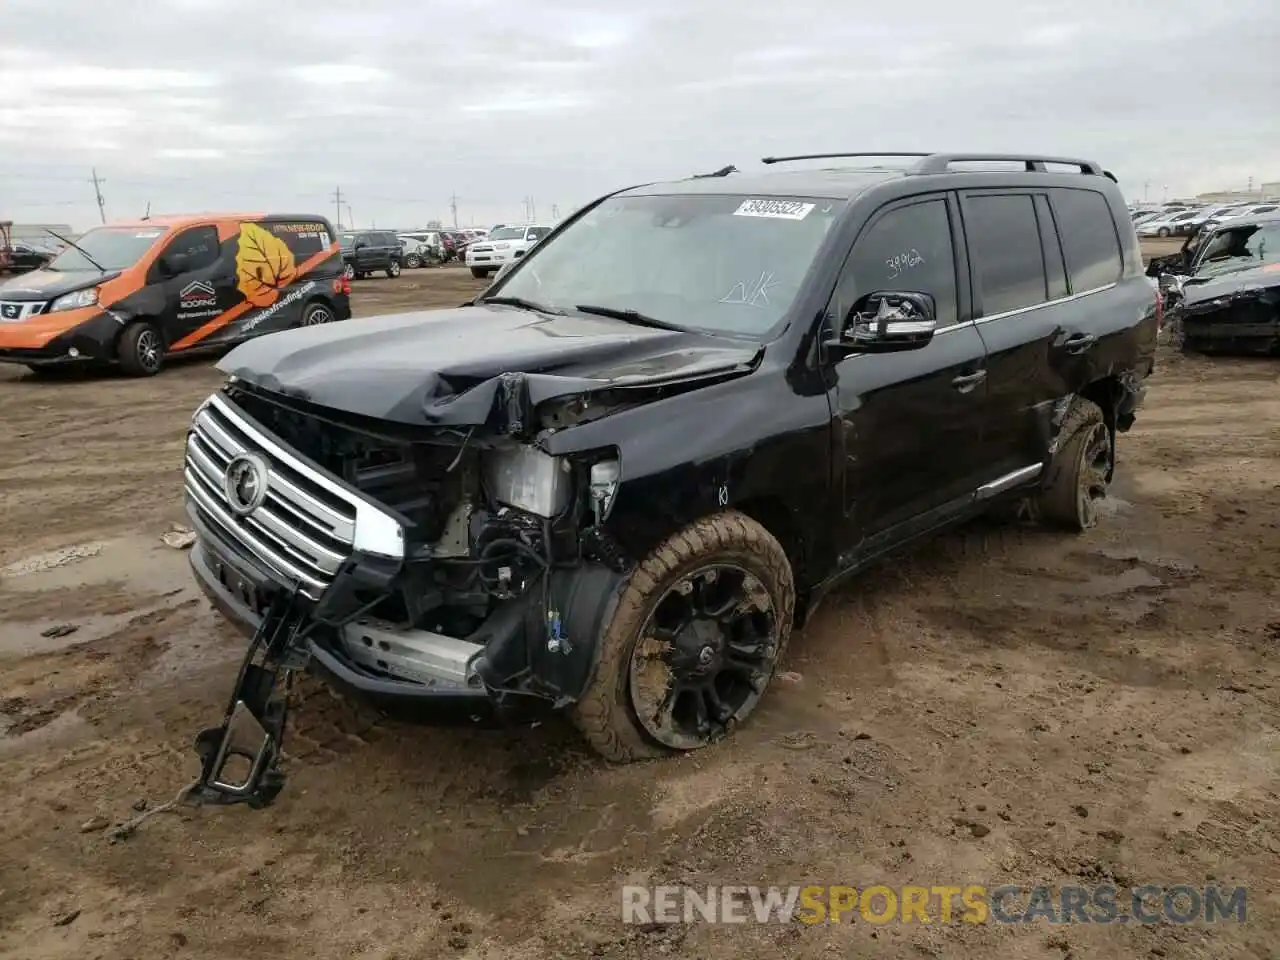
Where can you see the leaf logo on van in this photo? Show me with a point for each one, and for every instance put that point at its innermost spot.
(264, 265)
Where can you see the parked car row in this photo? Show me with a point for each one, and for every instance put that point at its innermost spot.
(1180, 220)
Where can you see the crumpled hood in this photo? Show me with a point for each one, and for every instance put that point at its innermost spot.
(475, 365)
(51, 284)
(1237, 281)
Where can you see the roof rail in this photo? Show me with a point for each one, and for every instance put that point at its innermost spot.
(833, 156)
(941, 162)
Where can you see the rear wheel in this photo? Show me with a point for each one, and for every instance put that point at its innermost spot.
(393, 269)
(349, 272)
(1080, 471)
(694, 641)
(141, 351)
(314, 314)
(1162, 232)
(413, 261)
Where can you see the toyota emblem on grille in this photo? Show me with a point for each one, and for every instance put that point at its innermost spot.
(245, 483)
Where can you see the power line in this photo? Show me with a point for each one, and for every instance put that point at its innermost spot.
(97, 189)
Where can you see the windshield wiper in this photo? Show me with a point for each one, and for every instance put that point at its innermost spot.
(522, 303)
(631, 316)
(83, 253)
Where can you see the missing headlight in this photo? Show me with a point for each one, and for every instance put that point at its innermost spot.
(529, 480)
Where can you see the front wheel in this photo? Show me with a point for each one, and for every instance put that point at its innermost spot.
(349, 272)
(413, 261)
(141, 351)
(1162, 232)
(1080, 471)
(393, 269)
(694, 641)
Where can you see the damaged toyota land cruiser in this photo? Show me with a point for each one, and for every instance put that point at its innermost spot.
(614, 482)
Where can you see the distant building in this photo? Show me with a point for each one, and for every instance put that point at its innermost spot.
(1266, 191)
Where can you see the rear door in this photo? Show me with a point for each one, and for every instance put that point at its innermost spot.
(1037, 317)
(282, 265)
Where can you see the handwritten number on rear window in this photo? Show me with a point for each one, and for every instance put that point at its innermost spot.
(900, 263)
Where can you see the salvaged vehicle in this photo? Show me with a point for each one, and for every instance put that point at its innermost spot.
(131, 294)
(1223, 287)
(615, 482)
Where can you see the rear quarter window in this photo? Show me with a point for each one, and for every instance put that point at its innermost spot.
(1090, 243)
(304, 238)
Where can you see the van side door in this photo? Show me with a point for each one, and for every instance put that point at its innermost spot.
(197, 277)
(908, 425)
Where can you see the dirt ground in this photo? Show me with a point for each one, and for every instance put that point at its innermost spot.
(994, 707)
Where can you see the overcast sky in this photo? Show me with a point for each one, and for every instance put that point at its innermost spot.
(224, 104)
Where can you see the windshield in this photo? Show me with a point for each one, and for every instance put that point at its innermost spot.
(507, 233)
(112, 248)
(728, 264)
(348, 240)
(1240, 248)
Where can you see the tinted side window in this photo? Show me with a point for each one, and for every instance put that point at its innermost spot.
(304, 239)
(1089, 238)
(1004, 244)
(907, 249)
(198, 246)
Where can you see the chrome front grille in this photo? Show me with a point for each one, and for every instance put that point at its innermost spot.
(308, 524)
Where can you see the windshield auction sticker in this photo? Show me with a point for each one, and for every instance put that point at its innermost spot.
(777, 209)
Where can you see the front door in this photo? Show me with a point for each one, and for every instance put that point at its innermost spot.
(908, 424)
(198, 280)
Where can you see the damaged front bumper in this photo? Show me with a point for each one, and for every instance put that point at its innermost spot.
(506, 673)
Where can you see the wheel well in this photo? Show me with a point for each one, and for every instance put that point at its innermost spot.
(1106, 393)
(774, 515)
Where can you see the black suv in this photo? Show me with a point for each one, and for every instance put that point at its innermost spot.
(366, 251)
(615, 481)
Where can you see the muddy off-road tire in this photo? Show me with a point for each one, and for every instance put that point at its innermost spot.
(140, 350)
(606, 714)
(1080, 470)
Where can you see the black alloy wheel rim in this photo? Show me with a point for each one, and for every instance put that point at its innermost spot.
(705, 655)
(1095, 467)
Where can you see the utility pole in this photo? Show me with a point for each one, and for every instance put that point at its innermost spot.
(453, 207)
(97, 189)
(337, 205)
(1146, 189)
